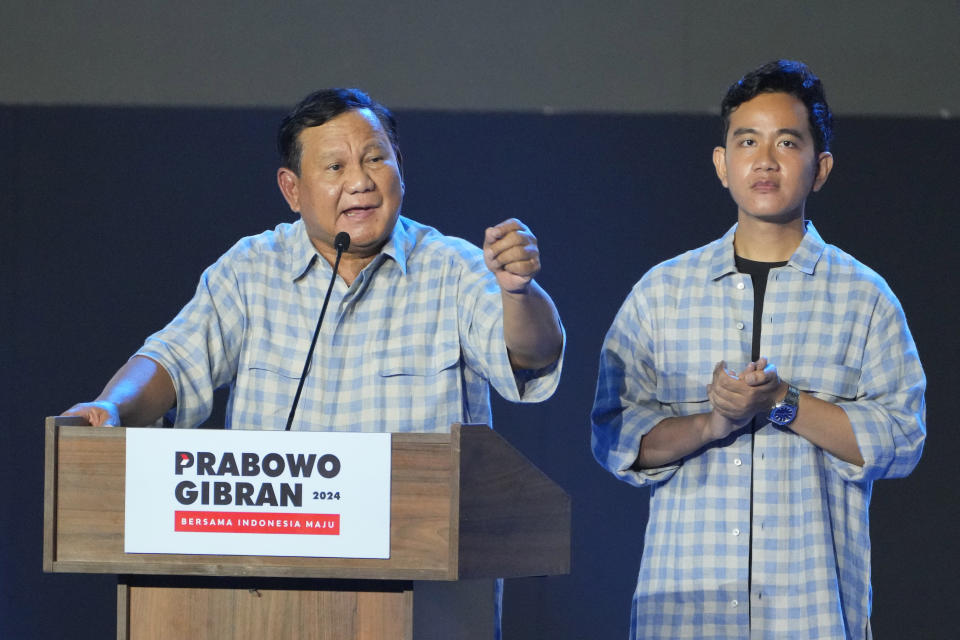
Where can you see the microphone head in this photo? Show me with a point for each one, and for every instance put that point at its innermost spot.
(342, 241)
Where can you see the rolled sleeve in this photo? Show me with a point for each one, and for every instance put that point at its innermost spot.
(626, 407)
(484, 348)
(200, 347)
(537, 385)
(889, 415)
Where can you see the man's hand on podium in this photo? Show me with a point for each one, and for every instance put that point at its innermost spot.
(138, 394)
(99, 413)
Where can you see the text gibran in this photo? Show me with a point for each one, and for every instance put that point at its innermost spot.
(228, 464)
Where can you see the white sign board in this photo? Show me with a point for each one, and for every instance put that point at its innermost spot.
(266, 493)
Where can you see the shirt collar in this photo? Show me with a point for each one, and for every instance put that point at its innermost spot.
(303, 254)
(719, 256)
(400, 245)
(720, 253)
(807, 255)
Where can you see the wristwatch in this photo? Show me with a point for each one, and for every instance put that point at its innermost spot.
(785, 411)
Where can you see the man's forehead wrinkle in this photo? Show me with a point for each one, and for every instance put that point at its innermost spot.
(336, 143)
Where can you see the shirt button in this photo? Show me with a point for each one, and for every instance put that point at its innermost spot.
(740, 326)
(736, 532)
(737, 462)
(739, 285)
(734, 603)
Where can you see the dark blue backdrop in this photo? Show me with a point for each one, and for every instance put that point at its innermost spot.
(111, 214)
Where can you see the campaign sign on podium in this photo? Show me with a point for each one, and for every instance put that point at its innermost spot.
(258, 493)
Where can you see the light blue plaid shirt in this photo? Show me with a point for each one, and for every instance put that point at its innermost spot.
(833, 328)
(411, 345)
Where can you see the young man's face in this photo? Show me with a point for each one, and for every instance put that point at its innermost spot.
(769, 163)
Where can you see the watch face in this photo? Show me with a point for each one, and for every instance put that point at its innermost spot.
(783, 414)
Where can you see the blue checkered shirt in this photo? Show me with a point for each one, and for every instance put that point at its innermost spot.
(762, 536)
(412, 345)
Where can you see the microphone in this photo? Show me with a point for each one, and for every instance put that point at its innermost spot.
(341, 243)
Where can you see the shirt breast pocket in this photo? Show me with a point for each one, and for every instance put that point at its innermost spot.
(684, 392)
(273, 369)
(416, 387)
(830, 382)
(423, 362)
(267, 389)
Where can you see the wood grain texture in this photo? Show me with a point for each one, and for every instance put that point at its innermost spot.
(218, 609)
(85, 511)
(514, 521)
(463, 504)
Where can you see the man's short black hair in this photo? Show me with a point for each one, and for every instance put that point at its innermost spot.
(320, 107)
(784, 76)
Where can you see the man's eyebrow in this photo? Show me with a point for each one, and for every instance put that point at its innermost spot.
(746, 131)
(374, 144)
(796, 133)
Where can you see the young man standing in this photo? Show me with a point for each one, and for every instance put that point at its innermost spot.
(759, 385)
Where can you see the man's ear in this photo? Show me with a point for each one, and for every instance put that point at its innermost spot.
(720, 164)
(824, 167)
(289, 184)
(400, 169)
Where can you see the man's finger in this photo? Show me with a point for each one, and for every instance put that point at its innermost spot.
(516, 253)
(502, 230)
(523, 268)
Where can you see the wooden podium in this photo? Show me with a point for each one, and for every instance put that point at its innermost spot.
(466, 508)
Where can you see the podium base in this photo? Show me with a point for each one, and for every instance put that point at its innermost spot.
(216, 608)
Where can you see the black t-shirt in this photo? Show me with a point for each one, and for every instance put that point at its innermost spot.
(758, 274)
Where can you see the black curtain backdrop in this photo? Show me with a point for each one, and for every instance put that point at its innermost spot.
(110, 215)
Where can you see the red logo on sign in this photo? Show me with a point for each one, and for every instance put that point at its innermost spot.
(317, 524)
